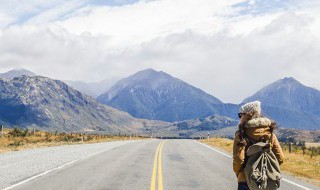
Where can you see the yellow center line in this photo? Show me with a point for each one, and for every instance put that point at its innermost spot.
(160, 186)
(154, 170)
(157, 161)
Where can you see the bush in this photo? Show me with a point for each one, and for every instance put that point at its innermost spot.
(16, 132)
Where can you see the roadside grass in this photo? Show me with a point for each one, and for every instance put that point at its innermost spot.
(17, 139)
(305, 166)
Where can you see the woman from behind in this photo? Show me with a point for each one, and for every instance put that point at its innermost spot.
(253, 128)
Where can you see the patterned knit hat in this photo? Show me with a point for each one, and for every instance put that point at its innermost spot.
(251, 107)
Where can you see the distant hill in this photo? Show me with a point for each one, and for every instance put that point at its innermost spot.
(16, 73)
(195, 127)
(41, 102)
(213, 122)
(157, 95)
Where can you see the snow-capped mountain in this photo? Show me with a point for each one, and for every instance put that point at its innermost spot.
(157, 95)
(41, 102)
(16, 73)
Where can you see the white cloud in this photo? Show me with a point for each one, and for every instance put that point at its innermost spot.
(146, 20)
(207, 44)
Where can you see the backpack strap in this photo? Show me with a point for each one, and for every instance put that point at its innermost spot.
(249, 142)
(271, 139)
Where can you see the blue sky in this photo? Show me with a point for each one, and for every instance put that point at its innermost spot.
(213, 45)
(22, 11)
(112, 2)
(266, 6)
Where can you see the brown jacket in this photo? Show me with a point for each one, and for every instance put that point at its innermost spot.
(255, 129)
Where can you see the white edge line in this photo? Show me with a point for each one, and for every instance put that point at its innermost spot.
(213, 149)
(298, 185)
(286, 180)
(54, 169)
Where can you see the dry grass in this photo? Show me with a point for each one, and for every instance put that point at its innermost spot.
(304, 166)
(222, 143)
(20, 140)
(309, 145)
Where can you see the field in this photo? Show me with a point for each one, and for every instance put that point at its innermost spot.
(18, 139)
(301, 162)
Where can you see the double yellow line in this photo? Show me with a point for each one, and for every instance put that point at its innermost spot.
(157, 161)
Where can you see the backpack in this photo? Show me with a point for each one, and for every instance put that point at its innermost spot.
(262, 169)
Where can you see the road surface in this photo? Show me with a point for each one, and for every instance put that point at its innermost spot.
(144, 165)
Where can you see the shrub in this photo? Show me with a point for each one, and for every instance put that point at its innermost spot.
(16, 132)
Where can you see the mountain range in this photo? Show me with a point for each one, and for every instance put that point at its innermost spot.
(157, 95)
(30, 100)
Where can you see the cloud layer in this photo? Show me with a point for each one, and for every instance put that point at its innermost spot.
(230, 49)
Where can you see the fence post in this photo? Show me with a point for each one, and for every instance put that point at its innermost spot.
(1, 135)
(290, 147)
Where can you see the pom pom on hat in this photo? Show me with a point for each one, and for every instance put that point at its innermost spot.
(251, 107)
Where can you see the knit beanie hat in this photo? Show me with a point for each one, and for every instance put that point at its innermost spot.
(251, 107)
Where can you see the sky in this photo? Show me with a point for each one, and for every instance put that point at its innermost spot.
(228, 48)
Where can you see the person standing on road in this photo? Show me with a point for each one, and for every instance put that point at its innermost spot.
(252, 127)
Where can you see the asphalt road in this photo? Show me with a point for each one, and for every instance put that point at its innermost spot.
(150, 164)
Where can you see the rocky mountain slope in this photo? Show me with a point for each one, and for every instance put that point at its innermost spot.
(41, 102)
